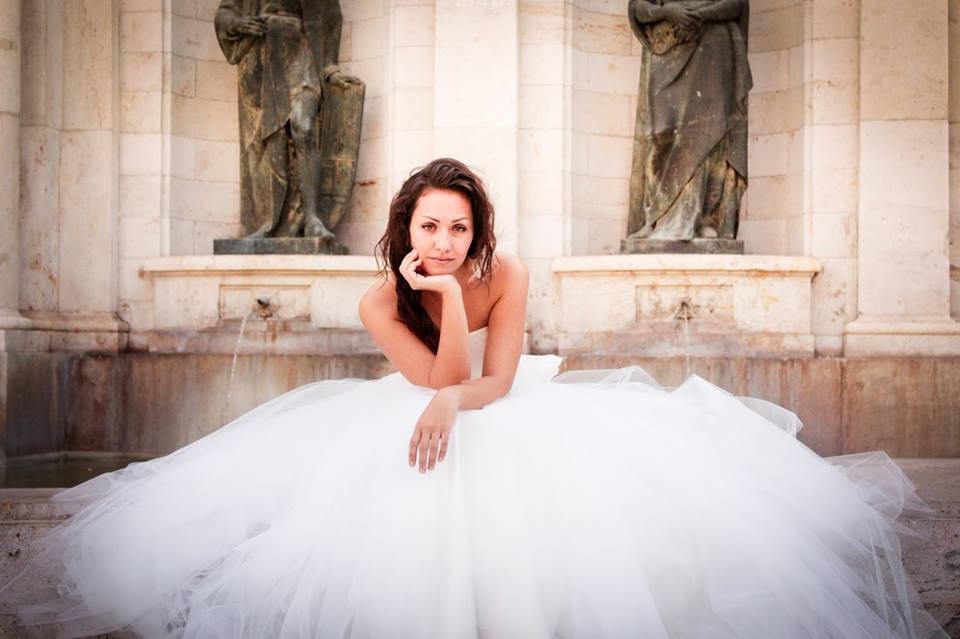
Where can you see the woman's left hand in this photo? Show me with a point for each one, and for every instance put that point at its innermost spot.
(431, 435)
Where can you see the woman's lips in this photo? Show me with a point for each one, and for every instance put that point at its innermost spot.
(441, 260)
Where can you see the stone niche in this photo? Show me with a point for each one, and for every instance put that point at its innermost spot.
(277, 304)
(685, 305)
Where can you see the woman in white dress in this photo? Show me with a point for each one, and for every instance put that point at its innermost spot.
(474, 493)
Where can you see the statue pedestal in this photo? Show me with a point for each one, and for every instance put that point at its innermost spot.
(685, 305)
(282, 304)
(695, 246)
(278, 246)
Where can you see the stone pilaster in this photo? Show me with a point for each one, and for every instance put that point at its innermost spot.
(10, 165)
(903, 215)
(475, 98)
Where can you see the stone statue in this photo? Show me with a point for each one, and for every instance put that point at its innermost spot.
(690, 144)
(299, 121)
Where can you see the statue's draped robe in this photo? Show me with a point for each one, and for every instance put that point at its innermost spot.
(690, 141)
(300, 49)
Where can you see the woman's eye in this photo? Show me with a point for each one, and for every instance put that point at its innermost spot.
(460, 228)
(428, 226)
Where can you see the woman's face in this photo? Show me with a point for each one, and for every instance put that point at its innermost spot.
(441, 230)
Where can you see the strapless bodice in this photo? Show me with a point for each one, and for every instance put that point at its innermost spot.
(478, 345)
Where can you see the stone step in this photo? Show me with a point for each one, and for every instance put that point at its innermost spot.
(933, 563)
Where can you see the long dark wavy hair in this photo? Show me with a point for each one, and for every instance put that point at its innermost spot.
(451, 175)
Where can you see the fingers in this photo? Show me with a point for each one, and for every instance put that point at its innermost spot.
(414, 446)
(429, 449)
(422, 452)
(443, 448)
(432, 451)
(408, 268)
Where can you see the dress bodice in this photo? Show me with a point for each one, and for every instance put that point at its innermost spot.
(478, 345)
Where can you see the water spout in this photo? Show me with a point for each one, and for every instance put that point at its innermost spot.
(264, 308)
(684, 310)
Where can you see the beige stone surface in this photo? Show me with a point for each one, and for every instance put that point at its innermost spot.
(194, 38)
(903, 218)
(89, 45)
(542, 64)
(779, 27)
(613, 301)
(39, 224)
(140, 195)
(140, 111)
(141, 31)
(904, 335)
(601, 31)
(87, 218)
(321, 290)
(140, 153)
(954, 116)
(33, 62)
(216, 80)
(903, 47)
(412, 68)
(542, 22)
(9, 164)
(539, 96)
(901, 405)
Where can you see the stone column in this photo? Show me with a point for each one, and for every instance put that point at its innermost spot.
(545, 160)
(87, 211)
(903, 218)
(475, 98)
(829, 144)
(10, 165)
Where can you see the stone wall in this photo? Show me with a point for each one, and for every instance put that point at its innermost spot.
(604, 76)
(954, 68)
(772, 214)
(122, 116)
(122, 402)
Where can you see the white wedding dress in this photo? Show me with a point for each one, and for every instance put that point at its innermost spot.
(596, 504)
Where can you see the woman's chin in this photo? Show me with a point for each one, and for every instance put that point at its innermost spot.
(441, 269)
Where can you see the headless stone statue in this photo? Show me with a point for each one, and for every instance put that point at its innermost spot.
(299, 122)
(690, 144)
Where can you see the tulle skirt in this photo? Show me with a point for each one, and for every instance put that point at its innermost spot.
(596, 504)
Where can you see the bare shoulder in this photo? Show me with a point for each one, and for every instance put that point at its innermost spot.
(509, 272)
(379, 302)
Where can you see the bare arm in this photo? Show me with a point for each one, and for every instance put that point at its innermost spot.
(452, 362)
(416, 362)
(504, 342)
(378, 312)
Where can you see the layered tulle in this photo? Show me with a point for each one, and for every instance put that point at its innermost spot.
(592, 505)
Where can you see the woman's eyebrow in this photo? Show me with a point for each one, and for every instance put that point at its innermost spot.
(459, 219)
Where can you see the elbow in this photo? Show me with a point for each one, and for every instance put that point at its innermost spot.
(501, 387)
(439, 381)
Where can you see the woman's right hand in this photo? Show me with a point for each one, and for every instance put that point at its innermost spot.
(418, 282)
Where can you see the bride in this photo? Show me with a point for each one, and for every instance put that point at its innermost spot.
(475, 493)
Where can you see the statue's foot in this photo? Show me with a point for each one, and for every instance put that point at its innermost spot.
(707, 232)
(315, 228)
(642, 233)
(263, 231)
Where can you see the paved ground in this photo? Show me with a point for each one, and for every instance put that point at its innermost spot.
(933, 563)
